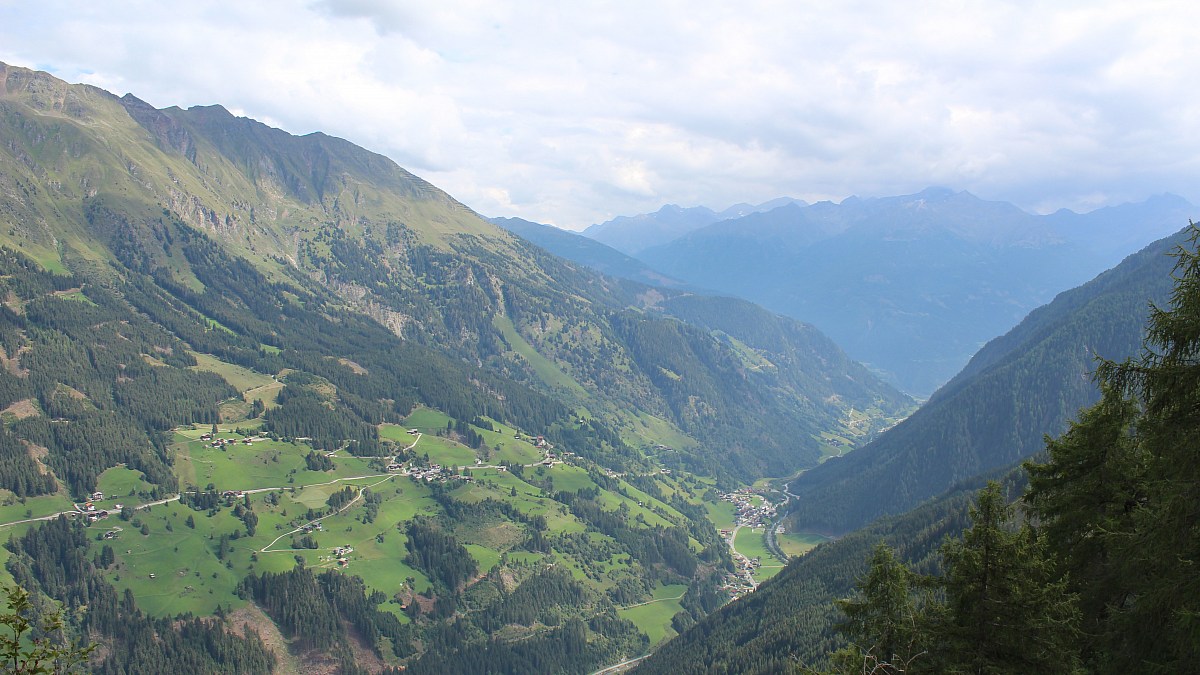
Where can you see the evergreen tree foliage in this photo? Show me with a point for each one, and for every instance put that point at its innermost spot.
(438, 554)
(884, 622)
(1132, 546)
(1004, 611)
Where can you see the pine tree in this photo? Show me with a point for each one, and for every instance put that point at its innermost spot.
(1158, 630)
(1084, 497)
(883, 622)
(1005, 611)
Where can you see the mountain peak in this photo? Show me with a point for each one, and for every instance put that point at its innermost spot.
(935, 192)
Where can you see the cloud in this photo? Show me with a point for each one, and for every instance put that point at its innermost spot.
(574, 113)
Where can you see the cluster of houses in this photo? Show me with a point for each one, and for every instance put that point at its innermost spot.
(314, 526)
(222, 442)
(429, 474)
(751, 510)
(741, 582)
(340, 554)
(93, 512)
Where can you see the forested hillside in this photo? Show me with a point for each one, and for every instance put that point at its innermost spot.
(791, 619)
(1092, 572)
(1018, 388)
(1079, 561)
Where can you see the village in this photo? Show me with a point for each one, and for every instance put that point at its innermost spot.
(752, 510)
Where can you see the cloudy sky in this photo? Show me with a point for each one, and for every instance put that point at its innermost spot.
(572, 113)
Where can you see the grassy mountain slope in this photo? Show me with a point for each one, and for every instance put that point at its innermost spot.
(1020, 387)
(91, 177)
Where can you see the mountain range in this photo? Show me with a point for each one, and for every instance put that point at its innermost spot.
(911, 285)
(633, 234)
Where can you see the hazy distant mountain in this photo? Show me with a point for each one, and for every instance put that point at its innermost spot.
(631, 234)
(912, 285)
(1021, 386)
(578, 248)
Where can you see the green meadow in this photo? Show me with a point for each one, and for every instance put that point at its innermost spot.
(13, 509)
(172, 567)
(750, 543)
(120, 481)
(546, 370)
(238, 377)
(721, 514)
(654, 617)
(799, 543)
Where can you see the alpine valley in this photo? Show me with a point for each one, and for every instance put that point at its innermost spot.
(303, 411)
(271, 403)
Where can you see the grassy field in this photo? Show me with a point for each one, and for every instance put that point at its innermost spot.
(721, 514)
(654, 617)
(176, 568)
(173, 567)
(445, 451)
(509, 448)
(426, 420)
(767, 571)
(11, 508)
(799, 543)
(750, 543)
(568, 478)
(239, 378)
(396, 433)
(265, 463)
(546, 370)
(658, 430)
(122, 482)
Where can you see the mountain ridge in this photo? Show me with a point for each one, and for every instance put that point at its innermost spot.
(912, 285)
(998, 410)
(383, 241)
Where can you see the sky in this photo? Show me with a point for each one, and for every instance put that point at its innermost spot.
(571, 113)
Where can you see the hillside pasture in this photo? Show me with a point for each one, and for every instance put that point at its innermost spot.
(120, 481)
(240, 378)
